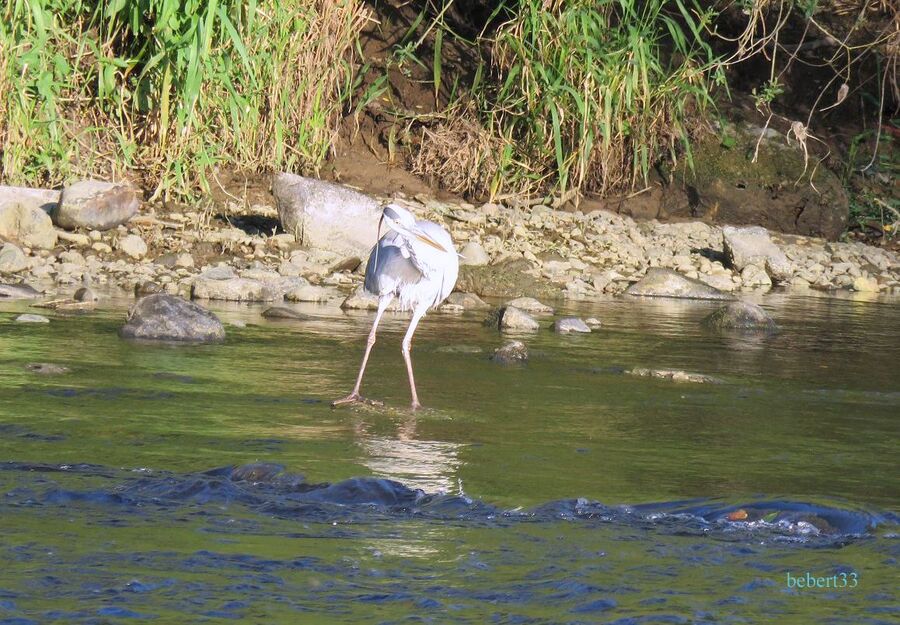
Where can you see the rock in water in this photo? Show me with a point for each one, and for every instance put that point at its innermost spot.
(30, 318)
(741, 316)
(661, 282)
(674, 375)
(529, 304)
(865, 284)
(96, 205)
(163, 317)
(283, 312)
(514, 319)
(46, 368)
(752, 246)
(326, 216)
(511, 353)
(146, 288)
(18, 291)
(85, 294)
(570, 324)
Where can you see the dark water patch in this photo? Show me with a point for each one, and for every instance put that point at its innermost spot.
(265, 488)
(10, 429)
(106, 394)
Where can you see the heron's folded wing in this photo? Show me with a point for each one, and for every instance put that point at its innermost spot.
(388, 268)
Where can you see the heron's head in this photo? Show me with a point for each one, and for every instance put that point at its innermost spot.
(402, 221)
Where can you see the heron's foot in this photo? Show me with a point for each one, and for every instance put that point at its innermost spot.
(355, 398)
(415, 406)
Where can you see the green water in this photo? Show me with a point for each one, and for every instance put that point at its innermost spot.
(809, 414)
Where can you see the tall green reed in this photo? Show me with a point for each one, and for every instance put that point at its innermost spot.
(586, 95)
(171, 90)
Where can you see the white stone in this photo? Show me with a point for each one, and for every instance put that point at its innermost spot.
(473, 253)
(133, 245)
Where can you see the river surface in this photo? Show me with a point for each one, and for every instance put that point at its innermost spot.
(207, 484)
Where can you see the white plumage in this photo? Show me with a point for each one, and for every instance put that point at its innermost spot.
(416, 262)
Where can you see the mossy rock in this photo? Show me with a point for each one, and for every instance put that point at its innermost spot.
(506, 279)
(778, 191)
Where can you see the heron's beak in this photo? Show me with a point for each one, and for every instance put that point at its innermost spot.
(424, 238)
(412, 232)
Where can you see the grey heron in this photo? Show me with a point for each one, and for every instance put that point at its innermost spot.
(416, 262)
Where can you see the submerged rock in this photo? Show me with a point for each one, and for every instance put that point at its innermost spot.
(741, 316)
(30, 318)
(660, 282)
(570, 324)
(96, 205)
(674, 375)
(163, 317)
(46, 368)
(18, 291)
(326, 216)
(511, 353)
(283, 312)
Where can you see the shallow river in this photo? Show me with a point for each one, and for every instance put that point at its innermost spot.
(561, 491)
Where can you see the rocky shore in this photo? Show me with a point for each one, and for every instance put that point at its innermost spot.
(310, 242)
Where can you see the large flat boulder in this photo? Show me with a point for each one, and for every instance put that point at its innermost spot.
(168, 318)
(96, 205)
(660, 282)
(327, 216)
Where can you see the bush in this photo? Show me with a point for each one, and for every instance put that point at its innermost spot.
(168, 90)
(588, 95)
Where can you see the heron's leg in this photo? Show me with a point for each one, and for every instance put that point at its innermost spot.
(407, 344)
(354, 396)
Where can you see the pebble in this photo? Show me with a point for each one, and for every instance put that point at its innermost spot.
(570, 324)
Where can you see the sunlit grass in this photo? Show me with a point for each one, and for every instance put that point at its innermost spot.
(168, 90)
(580, 95)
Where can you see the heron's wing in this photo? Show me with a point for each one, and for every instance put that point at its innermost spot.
(388, 267)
